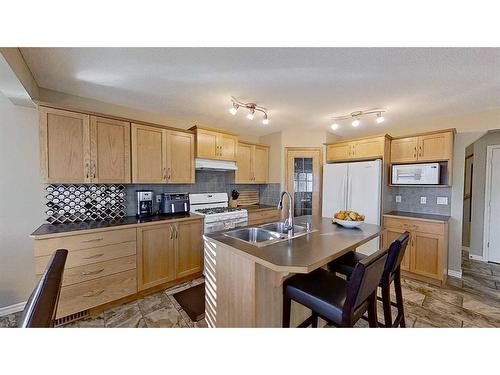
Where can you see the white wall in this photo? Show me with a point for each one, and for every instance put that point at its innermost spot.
(21, 193)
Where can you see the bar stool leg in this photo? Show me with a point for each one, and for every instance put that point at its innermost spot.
(399, 298)
(314, 320)
(287, 304)
(372, 311)
(386, 303)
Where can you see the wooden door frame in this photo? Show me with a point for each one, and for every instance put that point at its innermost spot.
(487, 197)
(287, 176)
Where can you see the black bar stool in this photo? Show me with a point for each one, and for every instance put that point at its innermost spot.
(340, 302)
(392, 272)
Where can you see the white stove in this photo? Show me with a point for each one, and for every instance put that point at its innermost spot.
(218, 216)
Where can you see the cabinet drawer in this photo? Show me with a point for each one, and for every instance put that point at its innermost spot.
(90, 256)
(263, 216)
(89, 294)
(414, 225)
(94, 271)
(83, 241)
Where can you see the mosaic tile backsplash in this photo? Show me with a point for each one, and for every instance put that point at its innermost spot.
(75, 203)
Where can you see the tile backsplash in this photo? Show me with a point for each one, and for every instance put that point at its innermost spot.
(411, 196)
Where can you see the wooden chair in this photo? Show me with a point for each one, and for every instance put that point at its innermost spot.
(40, 310)
(338, 301)
(392, 273)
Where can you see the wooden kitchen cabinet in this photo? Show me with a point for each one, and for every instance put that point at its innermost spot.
(360, 149)
(252, 161)
(188, 248)
(426, 147)
(427, 253)
(78, 148)
(215, 144)
(162, 155)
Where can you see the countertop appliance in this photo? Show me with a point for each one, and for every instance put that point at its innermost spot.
(354, 186)
(174, 203)
(416, 174)
(144, 203)
(218, 216)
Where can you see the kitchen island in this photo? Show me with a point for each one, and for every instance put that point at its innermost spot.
(244, 281)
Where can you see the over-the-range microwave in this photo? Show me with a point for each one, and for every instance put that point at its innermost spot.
(415, 174)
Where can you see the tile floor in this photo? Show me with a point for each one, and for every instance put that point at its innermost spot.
(473, 301)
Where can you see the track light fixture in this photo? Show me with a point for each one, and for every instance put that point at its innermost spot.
(252, 107)
(355, 116)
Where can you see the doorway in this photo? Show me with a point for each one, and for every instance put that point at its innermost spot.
(303, 179)
(491, 243)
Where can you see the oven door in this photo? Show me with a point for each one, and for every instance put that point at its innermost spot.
(217, 226)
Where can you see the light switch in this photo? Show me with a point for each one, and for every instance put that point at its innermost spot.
(398, 198)
(423, 200)
(442, 200)
(158, 198)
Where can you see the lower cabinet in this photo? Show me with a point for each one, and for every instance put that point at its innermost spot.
(263, 216)
(166, 252)
(427, 251)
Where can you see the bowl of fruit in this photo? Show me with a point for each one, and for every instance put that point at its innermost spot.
(349, 219)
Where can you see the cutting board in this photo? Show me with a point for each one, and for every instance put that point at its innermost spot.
(248, 197)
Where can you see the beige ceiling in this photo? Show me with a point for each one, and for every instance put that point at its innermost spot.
(301, 87)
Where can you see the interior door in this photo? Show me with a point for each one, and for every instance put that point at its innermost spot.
(260, 164)
(180, 158)
(404, 150)
(110, 150)
(243, 174)
(493, 239)
(148, 154)
(334, 188)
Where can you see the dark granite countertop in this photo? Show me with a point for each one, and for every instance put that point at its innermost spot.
(304, 254)
(416, 215)
(258, 207)
(51, 229)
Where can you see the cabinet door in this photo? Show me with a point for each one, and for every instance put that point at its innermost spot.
(206, 144)
(189, 248)
(228, 145)
(391, 234)
(261, 165)
(155, 255)
(180, 158)
(369, 148)
(340, 151)
(243, 174)
(148, 154)
(64, 146)
(426, 255)
(109, 150)
(435, 147)
(404, 150)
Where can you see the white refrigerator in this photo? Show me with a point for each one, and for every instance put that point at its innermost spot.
(354, 186)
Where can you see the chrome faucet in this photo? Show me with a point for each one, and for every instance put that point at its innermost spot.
(288, 224)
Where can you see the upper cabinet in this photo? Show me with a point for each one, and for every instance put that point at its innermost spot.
(431, 147)
(78, 148)
(253, 163)
(366, 148)
(215, 144)
(161, 155)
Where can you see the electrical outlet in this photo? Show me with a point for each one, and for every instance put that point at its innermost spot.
(398, 198)
(423, 200)
(158, 198)
(442, 200)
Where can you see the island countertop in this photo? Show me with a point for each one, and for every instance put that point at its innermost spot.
(304, 254)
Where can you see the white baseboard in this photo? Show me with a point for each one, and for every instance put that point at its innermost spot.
(477, 257)
(453, 273)
(7, 310)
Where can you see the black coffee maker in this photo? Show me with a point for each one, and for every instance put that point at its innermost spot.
(144, 203)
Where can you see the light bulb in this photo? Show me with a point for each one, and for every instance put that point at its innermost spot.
(251, 114)
(356, 122)
(234, 109)
(380, 119)
(334, 126)
(265, 121)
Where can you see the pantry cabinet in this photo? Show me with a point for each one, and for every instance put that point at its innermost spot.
(429, 147)
(162, 155)
(360, 149)
(215, 144)
(252, 161)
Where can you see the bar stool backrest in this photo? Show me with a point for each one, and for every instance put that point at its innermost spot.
(395, 255)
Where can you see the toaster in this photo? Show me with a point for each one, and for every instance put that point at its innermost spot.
(174, 203)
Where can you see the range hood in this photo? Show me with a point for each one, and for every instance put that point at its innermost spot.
(215, 165)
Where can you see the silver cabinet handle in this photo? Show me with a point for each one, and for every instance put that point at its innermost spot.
(176, 231)
(93, 294)
(88, 273)
(171, 233)
(94, 256)
(168, 173)
(93, 240)
(165, 174)
(87, 168)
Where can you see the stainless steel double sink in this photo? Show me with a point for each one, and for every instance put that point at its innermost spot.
(266, 234)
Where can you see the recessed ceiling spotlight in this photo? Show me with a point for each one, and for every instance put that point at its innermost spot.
(356, 115)
(355, 122)
(234, 109)
(380, 119)
(265, 121)
(334, 126)
(252, 107)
